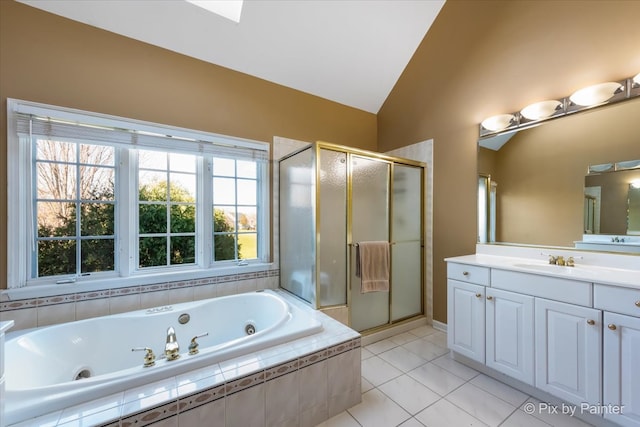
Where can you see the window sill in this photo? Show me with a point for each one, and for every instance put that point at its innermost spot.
(41, 291)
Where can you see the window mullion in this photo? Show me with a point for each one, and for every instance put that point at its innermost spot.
(204, 206)
(126, 211)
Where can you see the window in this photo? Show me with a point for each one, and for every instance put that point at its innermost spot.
(166, 209)
(100, 197)
(74, 201)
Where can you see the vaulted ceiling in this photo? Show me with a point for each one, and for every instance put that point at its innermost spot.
(348, 51)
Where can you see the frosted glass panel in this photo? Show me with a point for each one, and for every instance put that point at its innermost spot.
(407, 188)
(297, 225)
(406, 252)
(406, 279)
(333, 228)
(370, 221)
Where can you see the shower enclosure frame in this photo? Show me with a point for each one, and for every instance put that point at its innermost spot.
(349, 245)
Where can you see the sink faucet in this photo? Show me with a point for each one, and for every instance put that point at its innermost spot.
(171, 348)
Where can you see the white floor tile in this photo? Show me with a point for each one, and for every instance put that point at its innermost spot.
(438, 338)
(365, 354)
(365, 385)
(423, 331)
(436, 378)
(411, 422)
(501, 390)
(343, 419)
(380, 346)
(456, 368)
(414, 373)
(378, 371)
(481, 404)
(541, 412)
(409, 393)
(403, 338)
(402, 359)
(425, 349)
(446, 414)
(520, 419)
(377, 410)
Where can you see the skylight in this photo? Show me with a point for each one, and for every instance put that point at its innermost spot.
(230, 9)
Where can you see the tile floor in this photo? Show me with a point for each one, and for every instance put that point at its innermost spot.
(409, 380)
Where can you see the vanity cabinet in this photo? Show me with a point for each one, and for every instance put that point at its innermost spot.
(621, 372)
(466, 286)
(466, 313)
(491, 326)
(541, 330)
(509, 334)
(568, 342)
(621, 366)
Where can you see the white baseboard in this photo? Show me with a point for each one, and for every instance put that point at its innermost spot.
(439, 326)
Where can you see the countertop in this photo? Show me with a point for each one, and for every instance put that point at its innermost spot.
(595, 274)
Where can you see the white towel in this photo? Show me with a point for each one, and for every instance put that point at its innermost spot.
(372, 266)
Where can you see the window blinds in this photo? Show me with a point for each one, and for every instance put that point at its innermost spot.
(147, 137)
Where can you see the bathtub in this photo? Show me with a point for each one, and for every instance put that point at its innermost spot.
(54, 367)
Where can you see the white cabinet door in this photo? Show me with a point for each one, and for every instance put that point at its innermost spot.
(510, 334)
(568, 351)
(621, 376)
(465, 319)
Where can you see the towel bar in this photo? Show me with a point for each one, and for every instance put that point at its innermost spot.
(356, 244)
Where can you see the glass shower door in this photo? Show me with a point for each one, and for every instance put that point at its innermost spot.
(297, 225)
(369, 222)
(332, 220)
(406, 251)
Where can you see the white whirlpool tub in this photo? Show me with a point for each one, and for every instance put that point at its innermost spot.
(54, 367)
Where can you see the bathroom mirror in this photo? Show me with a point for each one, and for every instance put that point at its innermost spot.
(539, 173)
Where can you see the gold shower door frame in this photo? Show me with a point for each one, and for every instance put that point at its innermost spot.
(391, 161)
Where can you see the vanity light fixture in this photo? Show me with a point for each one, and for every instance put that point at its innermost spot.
(541, 110)
(499, 122)
(596, 94)
(589, 97)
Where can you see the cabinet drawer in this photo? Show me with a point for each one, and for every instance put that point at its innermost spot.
(618, 300)
(554, 288)
(468, 273)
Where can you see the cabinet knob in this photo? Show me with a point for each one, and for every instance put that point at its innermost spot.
(591, 322)
(489, 297)
(638, 303)
(478, 295)
(466, 273)
(612, 326)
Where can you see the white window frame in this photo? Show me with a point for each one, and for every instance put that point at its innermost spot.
(19, 223)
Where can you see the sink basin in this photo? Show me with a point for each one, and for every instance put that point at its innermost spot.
(559, 269)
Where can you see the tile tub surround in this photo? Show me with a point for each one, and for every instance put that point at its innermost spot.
(69, 306)
(303, 382)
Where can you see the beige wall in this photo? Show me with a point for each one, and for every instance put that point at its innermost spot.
(49, 59)
(482, 58)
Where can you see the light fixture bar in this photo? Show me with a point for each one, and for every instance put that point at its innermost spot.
(584, 99)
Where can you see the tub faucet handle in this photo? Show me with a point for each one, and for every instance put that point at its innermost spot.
(171, 348)
(193, 346)
(149, 357)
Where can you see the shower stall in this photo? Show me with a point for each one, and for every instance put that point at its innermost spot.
(331, 198)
